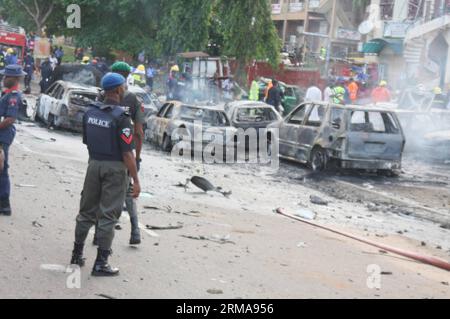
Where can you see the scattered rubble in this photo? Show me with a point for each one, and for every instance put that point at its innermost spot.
(318, 201)
(215, 238)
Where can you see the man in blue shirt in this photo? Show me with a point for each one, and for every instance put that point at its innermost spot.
(11, 57)
(29, 69)
(10, 103)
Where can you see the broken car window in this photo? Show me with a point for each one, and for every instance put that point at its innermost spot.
(317, 116)
(255, 115)
(299, 115)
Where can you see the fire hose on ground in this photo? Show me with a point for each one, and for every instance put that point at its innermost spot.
(433, 261)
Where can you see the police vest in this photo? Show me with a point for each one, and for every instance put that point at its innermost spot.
(102, 124)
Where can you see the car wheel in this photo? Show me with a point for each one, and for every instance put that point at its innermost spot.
(37, 112)
(389, 173)
(318, 159)
(166, 144)
(51, 121)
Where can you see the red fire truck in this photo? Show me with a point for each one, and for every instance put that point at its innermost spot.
(14, 37)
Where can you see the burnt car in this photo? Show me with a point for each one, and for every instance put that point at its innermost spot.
(248, 114)
(64, 104)
(251, 115)
(177, 122)
(354, 137)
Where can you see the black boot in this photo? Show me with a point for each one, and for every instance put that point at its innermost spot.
(5, 207)
(135, 231)
(77, 255)
(101, 267)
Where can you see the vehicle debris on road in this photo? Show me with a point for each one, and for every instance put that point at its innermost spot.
(167, 227)
(214, 238)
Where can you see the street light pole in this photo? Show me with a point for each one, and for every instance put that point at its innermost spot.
(331, 35)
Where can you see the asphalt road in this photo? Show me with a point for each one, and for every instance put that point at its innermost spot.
(227, 247)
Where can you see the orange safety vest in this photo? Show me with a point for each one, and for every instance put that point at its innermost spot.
(353, 89)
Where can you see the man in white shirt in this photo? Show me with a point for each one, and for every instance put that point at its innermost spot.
(328, 92)
(313, 94)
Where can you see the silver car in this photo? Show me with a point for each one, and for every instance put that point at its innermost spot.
(319, 134)
(177, 121)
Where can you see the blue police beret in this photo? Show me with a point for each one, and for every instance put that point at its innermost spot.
(112, 81)
(13, 70)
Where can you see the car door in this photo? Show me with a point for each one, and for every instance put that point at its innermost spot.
(55, 104)
(375, 135)
(289, 131)
(155, 123)
(45, 102)
(311, 129)
(163, 122)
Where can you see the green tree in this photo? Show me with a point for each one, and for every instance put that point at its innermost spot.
(249, 32)
(31, 14)
(184, 26)
(128, 25)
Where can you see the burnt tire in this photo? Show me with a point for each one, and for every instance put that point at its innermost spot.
(389, 173)
(166, 145)
(318, 161)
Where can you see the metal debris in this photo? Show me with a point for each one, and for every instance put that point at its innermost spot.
(26, 186)
(318, 201)
(36, 224)
(168, 227)
(105, 296)
(215, 291)
(215, 238)
(206, 186)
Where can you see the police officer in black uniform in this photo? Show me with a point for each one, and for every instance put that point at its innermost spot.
(108, 135)
(10, 104)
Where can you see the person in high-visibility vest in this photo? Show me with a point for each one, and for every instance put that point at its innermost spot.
(254, 91)
(339, 93)
(439, 100)
(323, 53)
(381, 93)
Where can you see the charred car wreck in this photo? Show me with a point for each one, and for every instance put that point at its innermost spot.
(195, 125)
(320, 134)
(64, 105)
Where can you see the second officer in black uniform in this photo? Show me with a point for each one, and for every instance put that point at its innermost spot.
(108, 135)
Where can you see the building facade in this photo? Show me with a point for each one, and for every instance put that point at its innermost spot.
(317, 23)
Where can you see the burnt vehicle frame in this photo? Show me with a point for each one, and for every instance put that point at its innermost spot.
(178, 122)
(252, 115)
(64, 105)
(324, 135)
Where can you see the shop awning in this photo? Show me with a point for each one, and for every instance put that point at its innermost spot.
(375, 46)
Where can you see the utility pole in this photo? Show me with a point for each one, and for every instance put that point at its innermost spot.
(331, 34)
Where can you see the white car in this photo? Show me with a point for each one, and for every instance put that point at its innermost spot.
(64, 104)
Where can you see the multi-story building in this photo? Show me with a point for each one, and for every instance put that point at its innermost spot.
(317, 23)
(409, 39)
